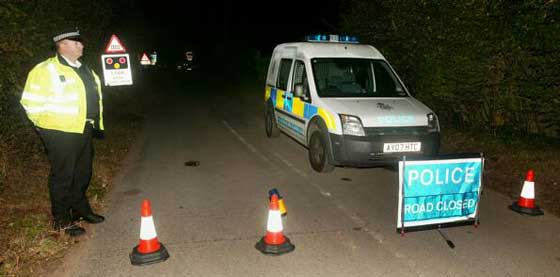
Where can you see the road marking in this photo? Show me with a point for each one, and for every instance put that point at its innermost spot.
(377, 236)
(250, 146)
(277, 155)
(301, 173)
(355, 218)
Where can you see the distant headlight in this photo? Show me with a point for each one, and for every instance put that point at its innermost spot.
(433, 124)
(352, 125)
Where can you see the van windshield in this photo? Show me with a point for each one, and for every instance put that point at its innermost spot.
(350, 77)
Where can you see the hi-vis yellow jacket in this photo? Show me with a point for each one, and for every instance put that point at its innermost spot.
(54, 97)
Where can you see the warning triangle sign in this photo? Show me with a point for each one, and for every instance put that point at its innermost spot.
(115, 45)
(145, 60)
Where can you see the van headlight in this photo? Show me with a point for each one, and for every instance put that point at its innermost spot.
(433, 124)
(352, 125)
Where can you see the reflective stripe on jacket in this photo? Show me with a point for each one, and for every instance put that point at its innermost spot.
(54, 97)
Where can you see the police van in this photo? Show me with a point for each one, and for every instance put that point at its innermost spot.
(345, 103)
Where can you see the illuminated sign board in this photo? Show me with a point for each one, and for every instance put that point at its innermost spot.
(440, 191)
(116, 69)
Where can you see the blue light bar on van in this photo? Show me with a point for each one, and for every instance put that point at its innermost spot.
(349, 39)
(331, 38)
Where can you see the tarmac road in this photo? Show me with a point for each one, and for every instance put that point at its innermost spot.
(209, 217)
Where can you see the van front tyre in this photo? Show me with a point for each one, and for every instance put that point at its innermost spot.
(319, 153)
(270, 124)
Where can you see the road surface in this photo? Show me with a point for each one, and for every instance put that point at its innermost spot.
(210, 216)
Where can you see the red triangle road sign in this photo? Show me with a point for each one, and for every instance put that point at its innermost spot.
(145, 60)
(115, 45)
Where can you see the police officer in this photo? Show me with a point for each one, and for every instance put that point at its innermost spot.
(62, 98)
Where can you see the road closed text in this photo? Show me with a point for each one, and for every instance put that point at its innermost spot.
(440, 206)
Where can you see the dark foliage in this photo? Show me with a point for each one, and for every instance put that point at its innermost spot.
(484, 64)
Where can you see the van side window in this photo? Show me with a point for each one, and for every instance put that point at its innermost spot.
(386, 83)
(300, 79)
(355, 77)
(284, 74)
(271, 72)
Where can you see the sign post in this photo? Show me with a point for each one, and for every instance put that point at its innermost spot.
(116, 64)
(439, 192)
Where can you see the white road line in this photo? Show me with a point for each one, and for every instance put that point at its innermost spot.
(377, 236)
(250, 146)
(301, 173)
(304, 175)
(290, 165)
(359, 221)
(355, 218)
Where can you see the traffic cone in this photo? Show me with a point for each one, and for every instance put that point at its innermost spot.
(274, 242)
(149, 250)
(281, 204)
(526, 202)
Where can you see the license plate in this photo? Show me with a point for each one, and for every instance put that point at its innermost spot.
(401, 147)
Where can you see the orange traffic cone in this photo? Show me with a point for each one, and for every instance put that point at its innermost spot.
(149, 250)
(526, 202)
(281, 204)
(274, 242)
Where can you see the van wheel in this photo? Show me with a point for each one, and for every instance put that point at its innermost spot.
(319, 153)
(270, 124)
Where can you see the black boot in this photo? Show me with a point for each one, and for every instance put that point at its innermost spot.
(74, 216)
(69, 228)
(93, 218)
(90, 218)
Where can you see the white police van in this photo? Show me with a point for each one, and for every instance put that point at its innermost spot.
(345, 103)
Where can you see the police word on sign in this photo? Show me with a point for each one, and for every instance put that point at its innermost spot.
(116, 69)
(441, 176)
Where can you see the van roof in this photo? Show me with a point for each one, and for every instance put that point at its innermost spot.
(311, 50)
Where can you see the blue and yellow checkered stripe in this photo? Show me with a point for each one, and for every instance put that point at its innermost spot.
(298, 107)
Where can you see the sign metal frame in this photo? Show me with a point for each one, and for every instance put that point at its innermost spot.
(438, 223)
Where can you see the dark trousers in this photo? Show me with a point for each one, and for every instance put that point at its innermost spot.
(71, 158)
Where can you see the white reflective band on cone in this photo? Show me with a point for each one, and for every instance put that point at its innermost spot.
(528, 191)
(147, 228)
(274, 223)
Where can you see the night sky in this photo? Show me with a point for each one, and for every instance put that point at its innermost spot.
(201, 24)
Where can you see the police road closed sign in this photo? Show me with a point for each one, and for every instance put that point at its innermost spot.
(433, 192)
(116, 69)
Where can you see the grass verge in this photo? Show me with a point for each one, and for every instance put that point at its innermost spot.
(507, 160)
(27, 240)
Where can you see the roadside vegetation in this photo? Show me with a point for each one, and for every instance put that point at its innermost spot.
(489, 69)
(27, 242)
(480, 64)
